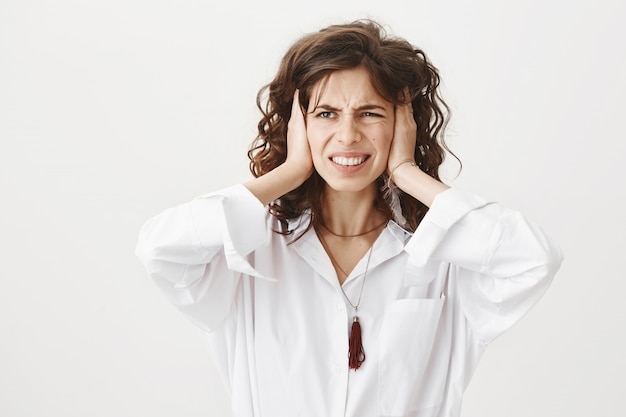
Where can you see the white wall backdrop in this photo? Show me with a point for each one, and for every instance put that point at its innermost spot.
(111, 111)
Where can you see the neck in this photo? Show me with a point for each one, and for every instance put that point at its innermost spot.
(350, 213)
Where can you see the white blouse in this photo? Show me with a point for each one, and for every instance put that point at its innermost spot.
(278, 323)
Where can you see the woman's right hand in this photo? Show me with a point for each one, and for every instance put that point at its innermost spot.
(297, 167)
(299, 158)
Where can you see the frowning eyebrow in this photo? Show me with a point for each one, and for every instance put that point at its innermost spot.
(360, 108)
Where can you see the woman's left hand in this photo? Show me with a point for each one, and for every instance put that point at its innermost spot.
(404, 137)
(408, 177)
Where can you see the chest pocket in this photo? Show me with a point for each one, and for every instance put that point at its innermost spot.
(408, 385)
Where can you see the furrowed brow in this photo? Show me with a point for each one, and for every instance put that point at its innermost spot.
(360, 108)
(326, 107)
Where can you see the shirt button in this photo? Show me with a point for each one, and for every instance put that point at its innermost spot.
(340, 305)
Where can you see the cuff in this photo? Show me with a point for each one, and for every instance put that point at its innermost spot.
(243, 222)
(448, 208)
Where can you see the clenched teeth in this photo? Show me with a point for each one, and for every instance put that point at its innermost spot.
(351, 161)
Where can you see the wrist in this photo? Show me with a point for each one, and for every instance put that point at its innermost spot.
(400, 164)
(418, 184)
(277, 182)
(295, 173)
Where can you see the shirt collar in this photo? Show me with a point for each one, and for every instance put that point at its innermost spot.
(390, 243)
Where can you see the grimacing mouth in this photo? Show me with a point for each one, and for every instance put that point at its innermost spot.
(349, 160)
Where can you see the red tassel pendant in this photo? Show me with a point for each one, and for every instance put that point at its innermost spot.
(356, 354)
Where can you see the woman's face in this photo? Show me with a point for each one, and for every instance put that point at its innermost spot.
(350, 128)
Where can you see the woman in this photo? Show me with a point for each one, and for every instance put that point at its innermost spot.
(345, 279)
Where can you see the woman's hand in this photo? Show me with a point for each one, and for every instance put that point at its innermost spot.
(401, 163)
(404, 138)
(299, 158)
(297, 167)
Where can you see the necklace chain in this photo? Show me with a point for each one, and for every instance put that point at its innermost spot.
(358, 234)
(332, 258)
(356, 353)
(367, 265)
(334, 261)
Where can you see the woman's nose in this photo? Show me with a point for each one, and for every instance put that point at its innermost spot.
(348, 132)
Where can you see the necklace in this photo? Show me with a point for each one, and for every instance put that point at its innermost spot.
(330, 255)
(358, 234)
(356, 354)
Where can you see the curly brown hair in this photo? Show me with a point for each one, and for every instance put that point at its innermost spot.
(395, 68)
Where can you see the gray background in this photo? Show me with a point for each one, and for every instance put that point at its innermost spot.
(111, 111)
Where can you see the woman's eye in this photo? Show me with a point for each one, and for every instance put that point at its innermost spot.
(325, 114)
(370, 114)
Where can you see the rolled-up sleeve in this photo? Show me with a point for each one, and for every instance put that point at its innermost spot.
(501, 263)
(196, 252)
